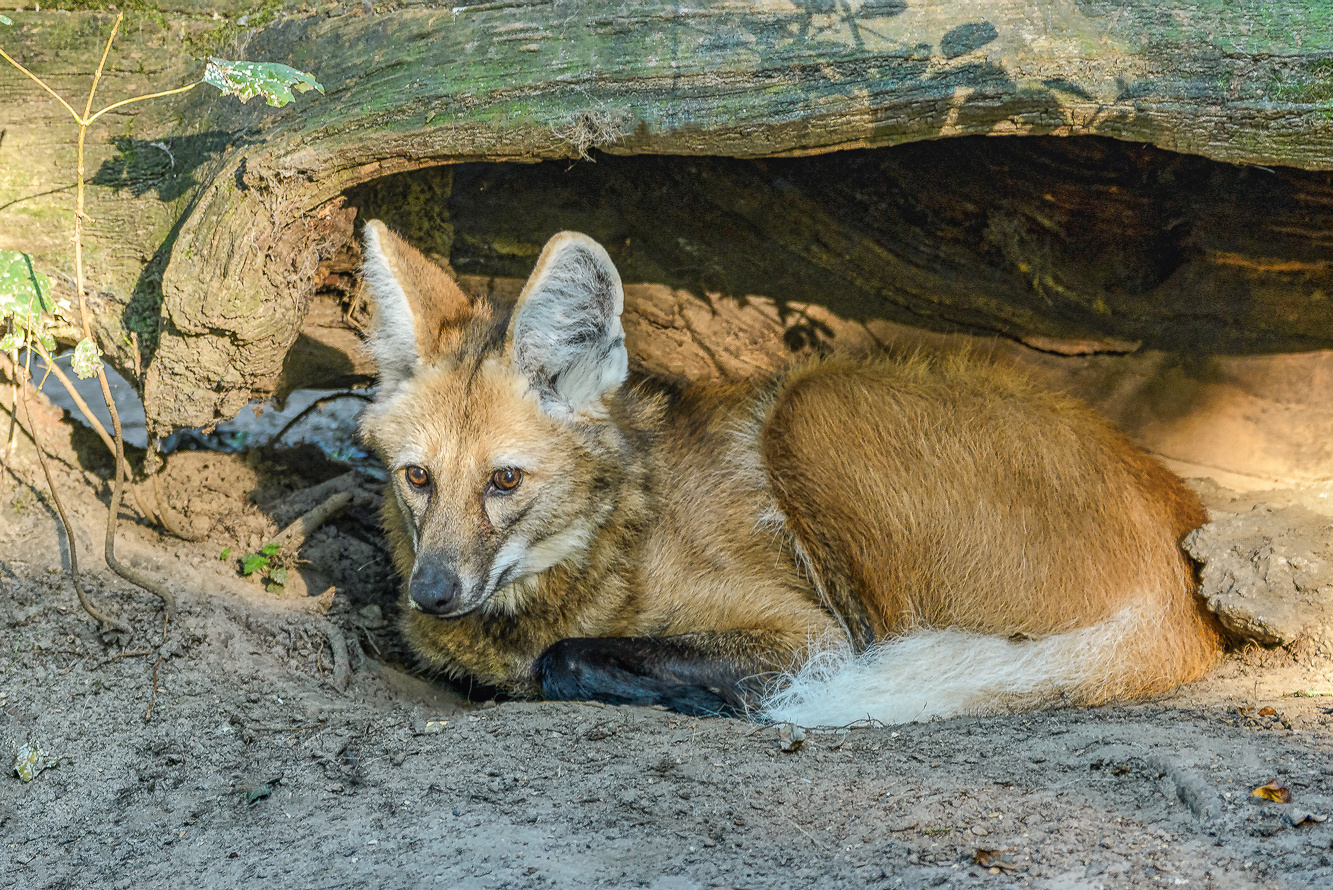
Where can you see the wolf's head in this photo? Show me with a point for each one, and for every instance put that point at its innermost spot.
(501, 455)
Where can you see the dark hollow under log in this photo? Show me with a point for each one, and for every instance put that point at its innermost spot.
(1034, 238)
(1175, 293)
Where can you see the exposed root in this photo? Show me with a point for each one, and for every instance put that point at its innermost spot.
(290, 539)
(166, 596)
(172, 521)
(152, 703)
(109, 624)
(305, 412)
(342, 662)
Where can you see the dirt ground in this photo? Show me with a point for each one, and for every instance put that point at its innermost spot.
(225, 753)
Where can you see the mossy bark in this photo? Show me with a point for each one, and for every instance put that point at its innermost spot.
(209, 219)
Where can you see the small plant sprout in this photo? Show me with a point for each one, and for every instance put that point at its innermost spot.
(253, 562)
(263, 562)
(26, 306)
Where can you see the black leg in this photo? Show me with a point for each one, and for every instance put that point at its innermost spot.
(695, 674)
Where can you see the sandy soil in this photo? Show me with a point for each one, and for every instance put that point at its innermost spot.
(225, 753)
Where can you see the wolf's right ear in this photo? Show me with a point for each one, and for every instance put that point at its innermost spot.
(414, 298)
(565, 336)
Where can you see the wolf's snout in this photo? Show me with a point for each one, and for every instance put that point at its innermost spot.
(435, 589)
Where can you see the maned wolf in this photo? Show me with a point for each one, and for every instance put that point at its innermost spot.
(891, 539)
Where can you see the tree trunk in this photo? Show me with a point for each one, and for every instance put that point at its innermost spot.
(209, 219)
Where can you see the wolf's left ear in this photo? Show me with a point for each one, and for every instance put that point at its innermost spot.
(415, 300)
(565, 335)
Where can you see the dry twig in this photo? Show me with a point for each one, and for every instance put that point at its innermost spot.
(119, 656)
(290, 539)
(53, 368)
(148, 715)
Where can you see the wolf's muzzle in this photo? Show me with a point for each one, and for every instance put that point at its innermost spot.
(435, 589)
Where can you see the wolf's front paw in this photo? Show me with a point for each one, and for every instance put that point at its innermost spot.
(626, 671)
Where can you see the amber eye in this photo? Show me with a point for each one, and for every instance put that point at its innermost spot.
(506, 479)
(417, 477)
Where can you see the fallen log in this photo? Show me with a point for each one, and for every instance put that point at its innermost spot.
(210, 220)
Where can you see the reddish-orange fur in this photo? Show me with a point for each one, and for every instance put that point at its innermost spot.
(989, 506)
(858, 498)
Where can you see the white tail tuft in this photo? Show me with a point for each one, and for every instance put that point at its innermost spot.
(944, 673)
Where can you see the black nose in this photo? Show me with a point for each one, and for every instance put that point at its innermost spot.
(435, 589)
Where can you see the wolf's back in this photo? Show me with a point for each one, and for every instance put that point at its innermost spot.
(1008, 546)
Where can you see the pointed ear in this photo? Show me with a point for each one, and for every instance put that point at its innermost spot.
(565, 336)
(414, 298)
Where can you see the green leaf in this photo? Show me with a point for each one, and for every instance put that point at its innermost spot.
(278, 577)
(87, 359)
(225, 553)
(46, 340)
(270, 549)
(6, 20)
(11, 341)
(245, 80)
(24, 292)
(252, 563)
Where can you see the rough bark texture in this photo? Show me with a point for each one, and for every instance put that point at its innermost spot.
(210, 219)
(1035, 239)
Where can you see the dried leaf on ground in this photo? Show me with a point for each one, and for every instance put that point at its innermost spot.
(1274, 791)
(31, 760)
(994, 860)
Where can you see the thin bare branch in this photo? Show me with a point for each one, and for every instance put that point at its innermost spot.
(41, 83)
(144, 508)
(117, 490)
(148, 715)
(108, 623)
(87, 412)
(97, 78)
(134, 99)
(13, 436)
